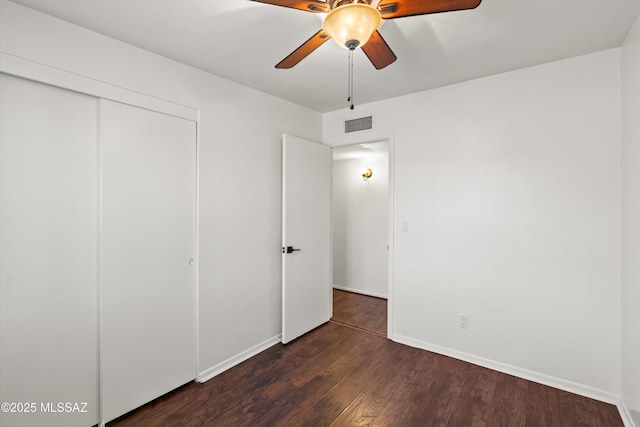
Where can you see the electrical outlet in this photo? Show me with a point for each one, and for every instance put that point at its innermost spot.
(404, 226)
(463, 321)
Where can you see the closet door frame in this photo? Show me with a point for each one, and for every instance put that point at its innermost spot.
(23, 68)
(29, 70)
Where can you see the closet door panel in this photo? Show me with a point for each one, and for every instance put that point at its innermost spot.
(148, 239)
(48, 255)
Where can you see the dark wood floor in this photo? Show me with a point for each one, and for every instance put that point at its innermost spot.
(360, 311)
(339, 375)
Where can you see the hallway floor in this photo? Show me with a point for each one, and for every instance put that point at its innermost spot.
(360, 311)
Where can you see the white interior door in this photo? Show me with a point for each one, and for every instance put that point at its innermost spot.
(148, 340)
(306, 236)
(48, 254)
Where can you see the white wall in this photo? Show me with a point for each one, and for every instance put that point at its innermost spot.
(239, 169)
(360, 225)
(511, 188)
(631, 222)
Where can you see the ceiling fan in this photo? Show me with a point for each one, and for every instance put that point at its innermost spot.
(354, 23)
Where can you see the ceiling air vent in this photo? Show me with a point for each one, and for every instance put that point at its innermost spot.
(356, 125)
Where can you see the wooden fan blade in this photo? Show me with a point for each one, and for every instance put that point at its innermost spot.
(306, 5)
(390, 9)
(378, 51)
(314, 42)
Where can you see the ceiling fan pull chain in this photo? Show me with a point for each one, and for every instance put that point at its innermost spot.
(350, 99)
(349, 76)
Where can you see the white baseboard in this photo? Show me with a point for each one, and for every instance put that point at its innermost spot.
(625, 414)
(360, 291)
(219, 368)
(560, 383)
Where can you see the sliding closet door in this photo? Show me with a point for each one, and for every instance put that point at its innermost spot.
(48, 255)
(148, 249)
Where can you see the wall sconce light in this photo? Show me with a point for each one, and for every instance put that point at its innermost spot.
(366, 173)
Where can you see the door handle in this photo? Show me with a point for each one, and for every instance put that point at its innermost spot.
(289, 249)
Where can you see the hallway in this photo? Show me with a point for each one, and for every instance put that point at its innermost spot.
(360, 312)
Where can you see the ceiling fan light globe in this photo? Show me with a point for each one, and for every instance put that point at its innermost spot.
(351, 23)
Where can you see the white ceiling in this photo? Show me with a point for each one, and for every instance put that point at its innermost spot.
(242, 40)
(367, 151)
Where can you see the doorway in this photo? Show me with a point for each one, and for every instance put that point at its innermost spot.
(360, 223)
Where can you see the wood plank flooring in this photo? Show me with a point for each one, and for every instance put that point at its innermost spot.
(360, 311)
(346, 376)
